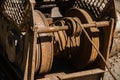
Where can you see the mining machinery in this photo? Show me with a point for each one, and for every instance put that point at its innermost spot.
(57, 39)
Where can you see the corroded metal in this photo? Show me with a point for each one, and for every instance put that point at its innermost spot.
(32, 44)
(65, 27)
(90, 54)
(44, 45)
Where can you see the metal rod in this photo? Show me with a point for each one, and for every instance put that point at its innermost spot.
(83, 73)
(96, 24)
(27, 45)
(33, 55)
(61, 28)
(52, 29)
(65, 76)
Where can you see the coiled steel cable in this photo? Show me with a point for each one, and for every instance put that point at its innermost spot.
(69, 38)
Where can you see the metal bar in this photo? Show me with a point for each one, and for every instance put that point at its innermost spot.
(108, 42)
(74, 75)
(33, 53)
(60, 28)
(83, 73)
(96, 24)
(52, 29)
(27, 61)
(30, 61)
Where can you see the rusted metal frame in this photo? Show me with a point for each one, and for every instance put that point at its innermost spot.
(73, 75)
(108, 33)
(80, 74)
(108, 41)
(30, 61)
(27, 50)
(58, 28)
(33, 53)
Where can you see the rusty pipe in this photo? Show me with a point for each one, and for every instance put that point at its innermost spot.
(61, 28)
(96, 24)
(52, 29)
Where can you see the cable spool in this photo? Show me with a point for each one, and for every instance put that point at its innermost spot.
(69, 38)
(85, 54)
(44, 47)
(60, 36)
(44, 51)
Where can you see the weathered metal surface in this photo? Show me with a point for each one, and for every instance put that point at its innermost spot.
(73, 76)
(65, 27)
(40, 53)
(44, 45)
(29, 31)
(90, 54)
